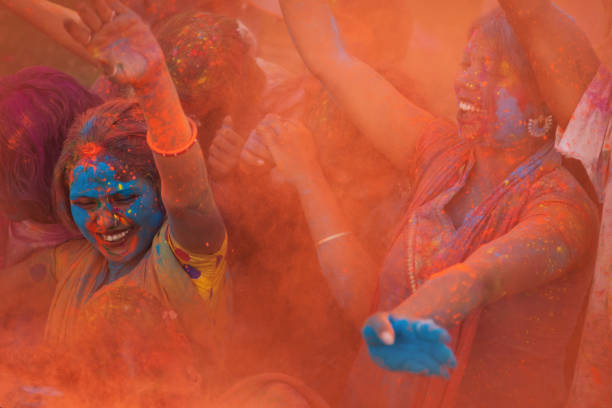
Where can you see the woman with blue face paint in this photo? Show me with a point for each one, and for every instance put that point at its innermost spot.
(119, 195)
(132, 180)
(484, 265)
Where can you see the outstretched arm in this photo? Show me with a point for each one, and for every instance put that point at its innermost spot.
(382, 114)
(49, 18)
(560, 53)
(538, 250)
(541, 248)
(124, 45)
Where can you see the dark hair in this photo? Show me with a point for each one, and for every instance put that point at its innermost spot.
(37, 107)
(212, 68)
(496, 28)
(116, 129)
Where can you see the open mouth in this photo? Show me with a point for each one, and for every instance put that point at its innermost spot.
(114, 239)
(465, 106)
(469, 113)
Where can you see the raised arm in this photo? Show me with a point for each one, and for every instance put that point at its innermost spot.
(345, 263)
(560, 53)
(49, 18)
(382, 114)
(124, 45)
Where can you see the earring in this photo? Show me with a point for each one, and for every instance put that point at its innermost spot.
(539, 126)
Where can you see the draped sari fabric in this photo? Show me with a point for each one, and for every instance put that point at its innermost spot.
(80, 274)
(150, 328)
(427, 241)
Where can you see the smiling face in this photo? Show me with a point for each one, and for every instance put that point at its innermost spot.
(119, 217)
(494, 102)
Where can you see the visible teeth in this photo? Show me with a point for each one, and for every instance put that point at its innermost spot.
(115, 237)
(468, 107)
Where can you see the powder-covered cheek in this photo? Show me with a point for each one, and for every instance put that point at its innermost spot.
(511, 123)
(81, 218)
(82, 182)
(145, 212)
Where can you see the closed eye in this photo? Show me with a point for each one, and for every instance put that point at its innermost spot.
(123, 199)
(85, 203)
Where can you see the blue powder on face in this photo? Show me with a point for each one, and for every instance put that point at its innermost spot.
(98, 182)
(511, 121)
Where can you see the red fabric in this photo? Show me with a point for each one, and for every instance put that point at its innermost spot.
(442, 164)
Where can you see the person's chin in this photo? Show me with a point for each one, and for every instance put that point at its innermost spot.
(118, 247)
(468, 132)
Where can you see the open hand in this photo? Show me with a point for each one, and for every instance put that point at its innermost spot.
(119, 40)
(415, 346)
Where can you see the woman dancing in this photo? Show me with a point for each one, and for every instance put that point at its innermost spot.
(485, 250)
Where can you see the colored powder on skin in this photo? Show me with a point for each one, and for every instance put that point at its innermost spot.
(512, 123)
(98, 180)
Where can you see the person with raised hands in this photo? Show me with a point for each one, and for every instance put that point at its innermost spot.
(495, 225)
(133, 181)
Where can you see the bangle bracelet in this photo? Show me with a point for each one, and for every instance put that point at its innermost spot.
(179, 150)
(332, 237)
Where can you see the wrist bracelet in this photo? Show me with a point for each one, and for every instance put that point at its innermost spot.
(332, 237)
(180, 150)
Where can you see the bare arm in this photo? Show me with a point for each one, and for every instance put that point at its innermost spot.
(345, 263)
(49, 18)
(350, 272)
(124, 44)
(532, 254)
(192, 213)
(382, 114)
(560, 53)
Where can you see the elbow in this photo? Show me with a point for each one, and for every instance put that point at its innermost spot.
(317, 63)
(188, 210)
(327, 65)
